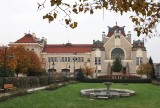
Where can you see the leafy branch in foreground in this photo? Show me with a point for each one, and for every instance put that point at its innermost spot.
(146, 12)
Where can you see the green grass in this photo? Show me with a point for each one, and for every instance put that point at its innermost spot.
(147, 96)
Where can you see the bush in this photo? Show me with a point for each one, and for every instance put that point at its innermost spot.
(52, 87)
(55, 86)
(19, 92)
(51, 79)
(71, 78)
(20, 82)
(33, 81)
(43, 80)
(40, 72)
(73, 82)
(96, 80)
(155, 82)
(119, 77)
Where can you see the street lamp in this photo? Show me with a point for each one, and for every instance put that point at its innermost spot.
(53, 64)
(49, 70)
(74, 59)
(11, 56)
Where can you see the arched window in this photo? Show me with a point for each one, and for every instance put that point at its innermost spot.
(117, 52)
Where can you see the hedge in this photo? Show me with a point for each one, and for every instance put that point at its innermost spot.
(96, 80)
(29, 82)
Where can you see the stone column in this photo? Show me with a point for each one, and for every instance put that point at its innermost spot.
(127, 69)
(109, 69)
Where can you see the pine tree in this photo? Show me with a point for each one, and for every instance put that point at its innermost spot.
(79, 76)
(152, 73)
(117, 64)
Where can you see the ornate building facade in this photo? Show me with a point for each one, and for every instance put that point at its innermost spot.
(69, 58)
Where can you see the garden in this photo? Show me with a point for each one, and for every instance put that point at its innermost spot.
(147, 96)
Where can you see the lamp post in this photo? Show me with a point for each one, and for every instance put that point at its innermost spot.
(67, 68)
(49, 70)
(11, 56)
(53, 64)
(74, 59)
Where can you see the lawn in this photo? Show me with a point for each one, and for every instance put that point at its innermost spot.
(147, 96)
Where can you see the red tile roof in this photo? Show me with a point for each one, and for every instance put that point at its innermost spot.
(27, 38)
(67, 48)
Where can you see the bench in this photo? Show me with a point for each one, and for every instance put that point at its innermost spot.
(9, 87)
(1, 90)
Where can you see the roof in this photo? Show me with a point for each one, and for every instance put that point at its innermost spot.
(27, 38)
(111, 30)
(67, 48)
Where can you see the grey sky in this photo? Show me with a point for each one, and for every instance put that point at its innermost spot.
(21, 16)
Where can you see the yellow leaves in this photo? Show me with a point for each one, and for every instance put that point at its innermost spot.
(75, 10)
(88, 71)
(81, 9)
(141, 19)
(141, 8)
(73, 25)
(91, 11)
(149, 13)
(55, 15)
(50, 17)
(52, 2)
(105, 4)
(67, 21)
(86, 9)
(55, 2)
(144, 69)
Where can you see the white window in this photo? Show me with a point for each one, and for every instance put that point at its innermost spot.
(97, 60)
(139, 60)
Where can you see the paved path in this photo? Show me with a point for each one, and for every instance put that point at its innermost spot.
(35, 89)
(29, 90)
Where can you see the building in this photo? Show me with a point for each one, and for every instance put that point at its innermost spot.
(69, 58)
(157, 69)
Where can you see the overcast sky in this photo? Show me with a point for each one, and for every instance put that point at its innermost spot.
(21, 16)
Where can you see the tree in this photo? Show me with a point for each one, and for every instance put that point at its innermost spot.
(152, 73)
(6, 62)
(35, 64)
(144, 69)
(79, 76)
(145, 12)
(22, 59)
(26, 61)
(87, 71)
(117, 64)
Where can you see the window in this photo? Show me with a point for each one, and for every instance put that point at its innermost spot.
(54, 59)
(66, 59)
(51, 59)
(117, 52)
(97, 60)
(62, 59)
(80, 59)
(139, 60)
(117, 36)
(88, 59)
(69, 60)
